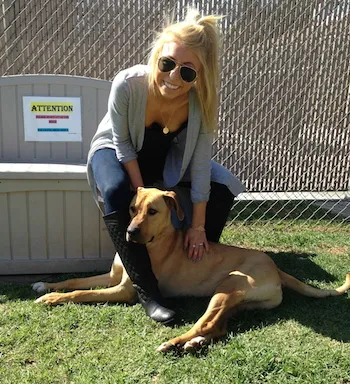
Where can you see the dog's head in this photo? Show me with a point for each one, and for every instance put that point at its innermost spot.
(150, 214)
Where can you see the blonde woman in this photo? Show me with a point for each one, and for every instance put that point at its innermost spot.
(159, 129)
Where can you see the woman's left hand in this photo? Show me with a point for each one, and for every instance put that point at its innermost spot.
(196, 243)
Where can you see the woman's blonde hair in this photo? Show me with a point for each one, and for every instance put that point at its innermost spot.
(199, 34)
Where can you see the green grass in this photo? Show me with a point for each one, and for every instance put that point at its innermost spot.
(302, 341)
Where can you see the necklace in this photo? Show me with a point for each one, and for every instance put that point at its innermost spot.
(166, 129)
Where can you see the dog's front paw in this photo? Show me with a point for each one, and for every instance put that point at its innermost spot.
(39, 287)
(53, 298)
(166, 347)
(190, 346)
(195, 344)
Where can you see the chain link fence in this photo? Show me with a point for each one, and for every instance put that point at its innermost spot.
(284, 113)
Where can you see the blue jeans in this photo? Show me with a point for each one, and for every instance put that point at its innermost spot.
(113, 183)
(112, 180)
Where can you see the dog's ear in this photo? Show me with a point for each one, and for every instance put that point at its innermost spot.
(172, 202)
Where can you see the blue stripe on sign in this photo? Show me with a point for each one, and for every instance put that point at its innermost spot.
(53, 129)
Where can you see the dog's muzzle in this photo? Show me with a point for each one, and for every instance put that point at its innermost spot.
(133, 234)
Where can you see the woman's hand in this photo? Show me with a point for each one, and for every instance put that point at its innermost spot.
(133, 170)
(196, 243)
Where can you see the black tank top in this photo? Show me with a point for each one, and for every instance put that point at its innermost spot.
(155, 147)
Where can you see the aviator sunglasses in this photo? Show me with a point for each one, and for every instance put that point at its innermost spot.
(188, 74)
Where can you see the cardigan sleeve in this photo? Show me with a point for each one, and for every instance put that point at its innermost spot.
(200, 167)
(118, 105)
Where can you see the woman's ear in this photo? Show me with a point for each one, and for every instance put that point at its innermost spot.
(172, 202)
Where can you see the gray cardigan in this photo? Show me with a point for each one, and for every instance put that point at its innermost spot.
(123, 128)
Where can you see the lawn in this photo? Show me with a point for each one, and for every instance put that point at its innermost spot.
(302, 341)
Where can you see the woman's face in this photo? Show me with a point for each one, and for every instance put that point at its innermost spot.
(170, 84)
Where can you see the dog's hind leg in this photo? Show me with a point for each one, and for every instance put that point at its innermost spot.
(198, 342)
(210, 326)
(213, 323)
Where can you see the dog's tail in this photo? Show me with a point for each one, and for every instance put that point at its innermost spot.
(306, 290)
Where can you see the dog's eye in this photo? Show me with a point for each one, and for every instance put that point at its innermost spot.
(152, 211)
(132, 209)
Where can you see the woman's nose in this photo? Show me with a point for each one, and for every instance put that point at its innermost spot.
(175, 73)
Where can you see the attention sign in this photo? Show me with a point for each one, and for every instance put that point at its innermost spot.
(52, 118)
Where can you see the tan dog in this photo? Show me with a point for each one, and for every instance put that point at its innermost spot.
(236, 278)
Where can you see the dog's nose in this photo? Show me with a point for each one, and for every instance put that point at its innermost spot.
(133, 231)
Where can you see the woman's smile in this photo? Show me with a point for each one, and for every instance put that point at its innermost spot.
(170, 86)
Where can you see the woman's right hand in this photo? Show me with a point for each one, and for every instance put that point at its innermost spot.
(196, 243)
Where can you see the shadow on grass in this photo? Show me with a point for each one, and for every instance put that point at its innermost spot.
(328, 316)
(12, 291)
(19, 287)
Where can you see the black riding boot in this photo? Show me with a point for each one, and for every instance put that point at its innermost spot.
(218, 209)
(138, 266)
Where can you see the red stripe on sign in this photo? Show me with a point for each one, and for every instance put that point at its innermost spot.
(51, 117)
(53, 121)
